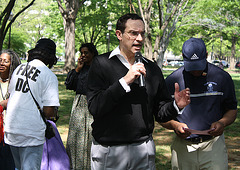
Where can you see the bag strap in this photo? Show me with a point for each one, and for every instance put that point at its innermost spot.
(39, 108)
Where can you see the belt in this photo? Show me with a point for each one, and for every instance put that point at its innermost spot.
(200, 139)
(150, 138)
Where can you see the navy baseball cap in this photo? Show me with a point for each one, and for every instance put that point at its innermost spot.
(194, 54)
(47, 45)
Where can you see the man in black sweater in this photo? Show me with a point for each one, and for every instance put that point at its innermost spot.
(124, 112)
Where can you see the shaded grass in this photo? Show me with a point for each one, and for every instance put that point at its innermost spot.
(162, 162)
(232, 134)
(231, 131)
(66, 99)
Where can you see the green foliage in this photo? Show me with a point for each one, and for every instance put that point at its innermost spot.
(18, 38)
(211, 20)
(54, 29)
(27, 28)
(92, 20)
(208, 19)
(53, 21)
(92, 23)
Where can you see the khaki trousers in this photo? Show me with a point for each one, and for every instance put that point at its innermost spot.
(209, 155)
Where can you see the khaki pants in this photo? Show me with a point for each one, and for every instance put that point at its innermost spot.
(138, 156)
(209, 155)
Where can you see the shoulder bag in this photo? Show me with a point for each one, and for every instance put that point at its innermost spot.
(49, 132)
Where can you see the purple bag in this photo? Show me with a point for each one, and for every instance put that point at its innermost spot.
(54, 154)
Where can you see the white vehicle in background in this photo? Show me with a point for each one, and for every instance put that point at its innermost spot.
(225, 63)
(219, 62)
(165, 62)
(172, 63)
(180, 63)
(176, 63)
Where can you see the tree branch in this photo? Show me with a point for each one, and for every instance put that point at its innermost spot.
(15, 16)
(60, 7)
(6, 13)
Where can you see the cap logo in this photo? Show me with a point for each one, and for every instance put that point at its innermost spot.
(194, 57)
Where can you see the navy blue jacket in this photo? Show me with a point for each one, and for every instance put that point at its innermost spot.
(212, 95)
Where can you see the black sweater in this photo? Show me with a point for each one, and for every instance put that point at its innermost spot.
(120, 117)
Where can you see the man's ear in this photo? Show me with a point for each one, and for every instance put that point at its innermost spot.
(119, 35)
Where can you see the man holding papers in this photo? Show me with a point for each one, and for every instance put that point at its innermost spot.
(199, 142)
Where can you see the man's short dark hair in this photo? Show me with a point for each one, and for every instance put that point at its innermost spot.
(121, 23)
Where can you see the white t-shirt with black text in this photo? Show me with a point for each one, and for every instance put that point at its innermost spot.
(24, 125)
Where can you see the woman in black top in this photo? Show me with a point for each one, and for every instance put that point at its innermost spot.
(79, 136)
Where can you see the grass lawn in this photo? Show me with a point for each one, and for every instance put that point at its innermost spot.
(162, 137)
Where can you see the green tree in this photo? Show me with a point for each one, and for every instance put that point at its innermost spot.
(160, 23)
(91, 26)
(92, 21)
(69, 14)
(230, 14)
(5, 19)
(217, 23)
(53, 27)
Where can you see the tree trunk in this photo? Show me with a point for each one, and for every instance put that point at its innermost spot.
(148, 48)
(160, 57)
(156, 54)
(146, 15)
(148, 38)
(69, 16)
(167, 25)
(69, 27)
(232, 59)
(159, 50)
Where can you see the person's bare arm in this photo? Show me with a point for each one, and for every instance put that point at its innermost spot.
(49, 111)
(227, 119)
(177, 127)
(4, 104)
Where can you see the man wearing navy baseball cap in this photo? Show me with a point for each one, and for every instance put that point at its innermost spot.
(194, 54)
(213, 107)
